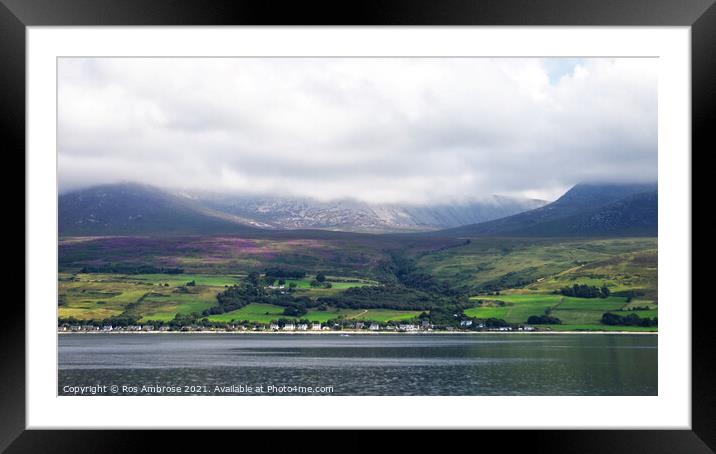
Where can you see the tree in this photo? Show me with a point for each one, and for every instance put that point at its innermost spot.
(254, 278)
(543, 320)
(320, 277)
(294, 310)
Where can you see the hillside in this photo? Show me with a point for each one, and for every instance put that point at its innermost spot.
(583, 211)
(132, 209)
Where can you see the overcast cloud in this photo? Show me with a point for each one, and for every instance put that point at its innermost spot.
(385, 130)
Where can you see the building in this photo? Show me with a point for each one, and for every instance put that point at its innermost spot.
(274, 326)
(407, 328)
(289, 327)
(302, 327)
(374, 327)
(316, 327)
(466, 323)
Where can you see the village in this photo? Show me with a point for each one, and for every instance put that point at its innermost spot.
(366, 327)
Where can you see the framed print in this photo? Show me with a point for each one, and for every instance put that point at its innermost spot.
(459, 217)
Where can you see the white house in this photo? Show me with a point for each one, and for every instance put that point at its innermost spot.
(274, 326)
(407, 328)
(289, 327)
(316, 327)
(374, 327)
(302, 327)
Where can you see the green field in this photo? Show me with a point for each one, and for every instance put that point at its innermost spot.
(265, 313)
(303, 286)
(335, 283)
(637, 329)
(386, 315)
(575, 313)
(179, 279)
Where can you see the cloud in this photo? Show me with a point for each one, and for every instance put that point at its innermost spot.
(375, 129)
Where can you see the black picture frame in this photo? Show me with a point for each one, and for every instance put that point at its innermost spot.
(16, 15)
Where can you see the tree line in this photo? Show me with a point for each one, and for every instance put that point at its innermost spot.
(585, 291)
(628, 320)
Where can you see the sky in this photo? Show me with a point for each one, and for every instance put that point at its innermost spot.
(382, 130)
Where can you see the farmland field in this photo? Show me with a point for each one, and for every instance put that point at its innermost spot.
(575, 313)
(592, 327)
(160, 297)
(265, 313)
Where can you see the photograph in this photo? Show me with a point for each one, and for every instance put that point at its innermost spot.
(357, 226)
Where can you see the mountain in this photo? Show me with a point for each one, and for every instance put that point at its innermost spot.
(584, 210)
(354, 216)
(125, 209)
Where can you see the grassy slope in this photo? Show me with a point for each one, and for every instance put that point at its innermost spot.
(629, 271)
(358, 256)
(507, 261)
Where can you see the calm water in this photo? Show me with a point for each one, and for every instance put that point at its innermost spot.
(484, 364)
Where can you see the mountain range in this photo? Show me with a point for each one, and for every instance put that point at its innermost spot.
(356, 216)
(584, 210)
(133, 209)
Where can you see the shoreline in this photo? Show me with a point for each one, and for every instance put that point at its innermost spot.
(357, 333)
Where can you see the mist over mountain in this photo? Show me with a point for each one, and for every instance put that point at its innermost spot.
(140, 209)
(585, 210)
(356, 216)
